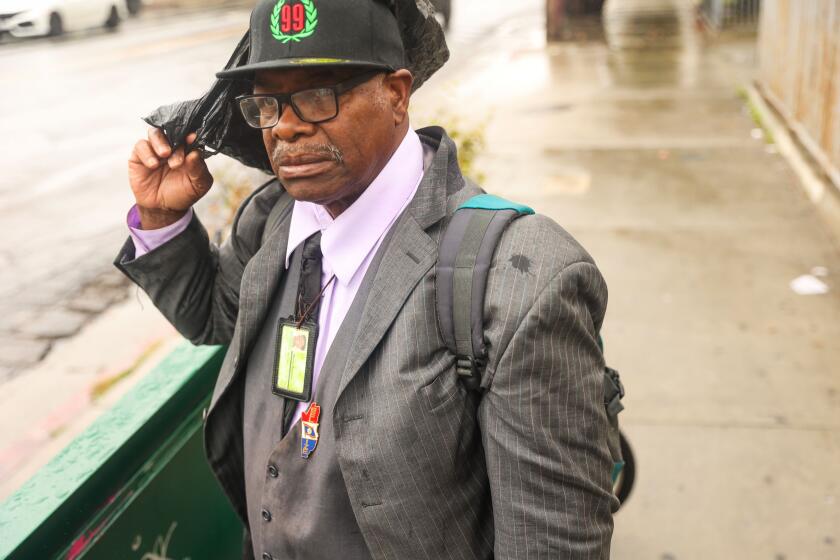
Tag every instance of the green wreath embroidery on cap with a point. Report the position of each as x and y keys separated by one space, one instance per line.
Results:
x=302 y=24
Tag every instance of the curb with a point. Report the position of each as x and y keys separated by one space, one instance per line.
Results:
x=821 y=191
x=42 y=441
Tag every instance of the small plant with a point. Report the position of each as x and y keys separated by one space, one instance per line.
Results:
x=469 y=137
x=471 y=143
x=756 y=115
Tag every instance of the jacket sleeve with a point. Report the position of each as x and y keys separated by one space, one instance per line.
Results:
x=544 y=427
x=193 y=282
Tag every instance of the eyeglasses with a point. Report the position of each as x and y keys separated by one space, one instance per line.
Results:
x=310 y=105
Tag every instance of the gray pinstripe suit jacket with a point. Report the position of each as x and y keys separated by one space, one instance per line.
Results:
x=432 y=471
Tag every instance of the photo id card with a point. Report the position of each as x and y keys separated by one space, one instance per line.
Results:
x=294 y=361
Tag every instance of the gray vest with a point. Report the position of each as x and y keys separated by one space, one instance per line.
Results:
x=298 y=508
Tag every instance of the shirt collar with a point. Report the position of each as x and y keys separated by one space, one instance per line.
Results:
x=347 y=240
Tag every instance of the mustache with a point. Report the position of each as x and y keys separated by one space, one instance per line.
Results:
x=282 y=150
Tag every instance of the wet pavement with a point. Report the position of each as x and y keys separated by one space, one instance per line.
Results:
x=71 y=113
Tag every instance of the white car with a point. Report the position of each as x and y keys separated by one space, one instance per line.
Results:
x=32 y=18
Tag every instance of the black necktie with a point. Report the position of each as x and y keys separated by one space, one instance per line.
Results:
x=309 y=289
x=309 y=301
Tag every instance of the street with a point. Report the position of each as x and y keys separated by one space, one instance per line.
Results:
x=639 y=142
x=71 y=114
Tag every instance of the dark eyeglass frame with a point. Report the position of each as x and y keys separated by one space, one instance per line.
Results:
x=287 y=99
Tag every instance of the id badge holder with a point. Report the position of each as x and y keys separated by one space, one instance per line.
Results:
x=294 y=359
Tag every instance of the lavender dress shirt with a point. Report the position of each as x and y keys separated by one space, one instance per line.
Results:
x=348 y=242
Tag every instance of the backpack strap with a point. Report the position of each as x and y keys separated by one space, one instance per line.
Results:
x=613 y=388
x=464 y=258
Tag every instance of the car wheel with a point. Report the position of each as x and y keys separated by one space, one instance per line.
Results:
x=56 y=25
x=113 y=20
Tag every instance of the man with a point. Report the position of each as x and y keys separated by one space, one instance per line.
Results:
x=380 y=452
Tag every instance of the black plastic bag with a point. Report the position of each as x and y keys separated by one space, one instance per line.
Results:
x=215 y=119
x=221 y=129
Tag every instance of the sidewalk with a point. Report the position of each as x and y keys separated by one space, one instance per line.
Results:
x=43 y=411
x=651 y=160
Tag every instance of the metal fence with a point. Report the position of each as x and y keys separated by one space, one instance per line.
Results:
x=799 y=50
x=726 y=14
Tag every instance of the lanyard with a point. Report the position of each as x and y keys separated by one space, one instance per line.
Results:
x=308 y=311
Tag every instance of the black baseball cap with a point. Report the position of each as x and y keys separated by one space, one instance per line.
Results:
x=316 y=33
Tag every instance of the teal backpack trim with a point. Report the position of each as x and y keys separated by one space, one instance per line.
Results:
x=617 y=468
x=492 y=202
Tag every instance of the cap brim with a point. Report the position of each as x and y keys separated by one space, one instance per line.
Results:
x=247 y=71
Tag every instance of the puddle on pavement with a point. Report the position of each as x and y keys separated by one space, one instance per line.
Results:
x=644 y=24
x=526 y=71
x=651 y=43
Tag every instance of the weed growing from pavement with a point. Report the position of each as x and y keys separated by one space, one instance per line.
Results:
x=756 y=115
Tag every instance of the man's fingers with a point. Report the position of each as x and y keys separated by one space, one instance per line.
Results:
x=144 y=154
x=197 y=170
x=191 y=137
x=176 y=159
x=159 y=143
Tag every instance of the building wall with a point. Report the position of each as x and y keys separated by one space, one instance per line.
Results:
x=799 y=50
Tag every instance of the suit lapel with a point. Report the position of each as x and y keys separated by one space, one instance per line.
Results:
x=408 y=256
x=259 y=282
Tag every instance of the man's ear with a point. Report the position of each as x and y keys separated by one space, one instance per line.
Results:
x=398 y=85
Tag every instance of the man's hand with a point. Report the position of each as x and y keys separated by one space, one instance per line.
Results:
x=166 y=184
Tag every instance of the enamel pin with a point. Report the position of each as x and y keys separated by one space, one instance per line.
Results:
x=309 y=430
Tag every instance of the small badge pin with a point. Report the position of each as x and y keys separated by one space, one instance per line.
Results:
x=309 y=430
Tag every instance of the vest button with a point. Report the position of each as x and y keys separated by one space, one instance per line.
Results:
x=267 y=556
x=273 y=472
x=266 y=515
